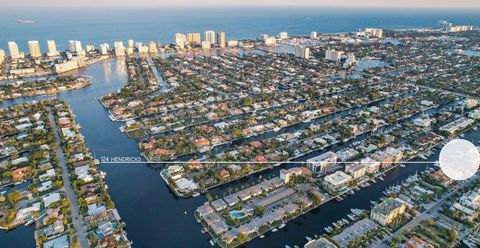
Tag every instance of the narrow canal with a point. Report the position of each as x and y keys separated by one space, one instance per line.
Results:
x=154 y=216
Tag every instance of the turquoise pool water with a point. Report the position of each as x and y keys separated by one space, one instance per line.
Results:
x=237 y=214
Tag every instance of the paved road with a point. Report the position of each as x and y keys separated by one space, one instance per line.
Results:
x=427 y=214
x=77 y=219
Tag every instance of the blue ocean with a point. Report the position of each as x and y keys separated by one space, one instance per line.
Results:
x=154 y=216
x=95 y=26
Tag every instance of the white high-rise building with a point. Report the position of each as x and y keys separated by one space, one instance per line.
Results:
x=119 y=48
x=313 y=35
x=2 y=56
x=13 y=48
x=89 y=48
x=283 y=35
x=52 y=48
x=130 y=43
x=210 y=37
x=221 y=39
x=34 y=48
x=75 y=46
x=180 y=39
x=194 y=38
x=104 y=49
x=333 y=55
x=302 y=52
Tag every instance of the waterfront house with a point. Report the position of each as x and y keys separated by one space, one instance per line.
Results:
x=27 y=212
x=95 y=209
x=185 y=185
x=104 y=228
x=229 y=236
x=337 y=181
x=372 y=166
x=244 y=195
x=219 y=227
x=291 y=208
x=232 y=199
x=83 y=174
x=256 y=190
x=224 y=173
x=211 y=218
x=21 y=173
x=218 y=205
x=355 y=170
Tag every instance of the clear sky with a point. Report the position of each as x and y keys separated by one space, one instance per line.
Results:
x=195 y=3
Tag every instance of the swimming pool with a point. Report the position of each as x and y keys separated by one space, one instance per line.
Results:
x=237 y=214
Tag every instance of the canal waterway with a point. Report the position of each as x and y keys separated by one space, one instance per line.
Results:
x=154 y=216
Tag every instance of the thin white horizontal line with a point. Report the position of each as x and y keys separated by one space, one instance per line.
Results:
x=250 y=162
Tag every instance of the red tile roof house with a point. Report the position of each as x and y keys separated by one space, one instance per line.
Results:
x=260 y=159
x=201 y=142
x=224 y=173
x=256 y=144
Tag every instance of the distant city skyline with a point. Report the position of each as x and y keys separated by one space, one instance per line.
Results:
x=209 y=3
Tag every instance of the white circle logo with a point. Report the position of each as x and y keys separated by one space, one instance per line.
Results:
x=459 y=159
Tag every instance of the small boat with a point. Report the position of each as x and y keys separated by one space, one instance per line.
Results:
x=262 y=236
x=308 y=238
x=281 y=226
x=402 y=165
x=25 y=22
x=381 y=178
x=185 y=212
x=211 y=242
x=196 y=194
x=28 y=223
x=274 y=230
